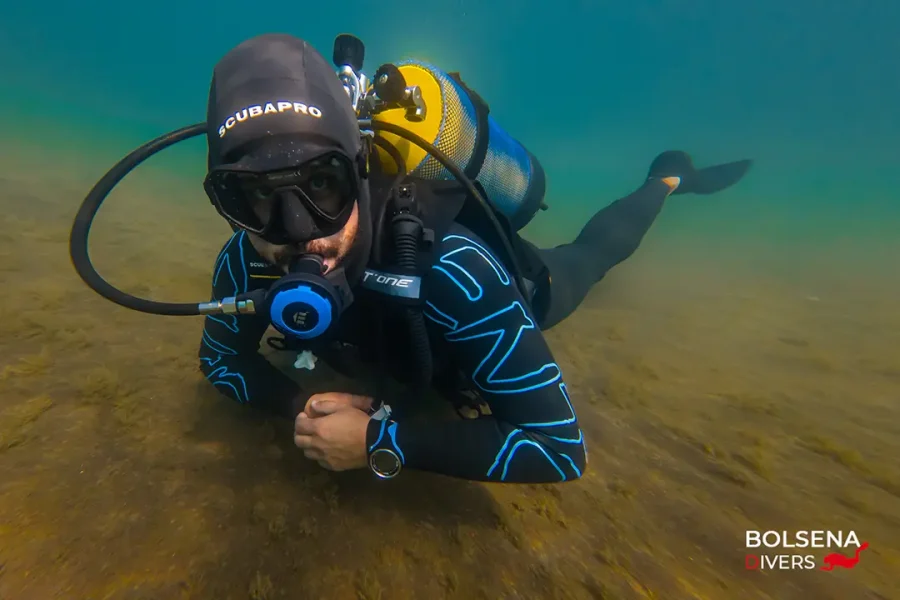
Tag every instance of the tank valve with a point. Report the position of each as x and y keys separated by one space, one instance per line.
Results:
x=390 y=87
x=349 y=54
x=349 y=50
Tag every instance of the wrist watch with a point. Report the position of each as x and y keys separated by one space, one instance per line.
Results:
x=385 y=463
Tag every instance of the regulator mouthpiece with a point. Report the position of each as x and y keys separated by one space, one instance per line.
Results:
x=305 y=304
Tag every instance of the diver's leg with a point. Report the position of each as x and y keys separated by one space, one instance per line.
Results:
x=608 y=238
x=616 y=231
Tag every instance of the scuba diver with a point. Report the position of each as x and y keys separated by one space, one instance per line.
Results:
x=306 y=191
x=377 y=251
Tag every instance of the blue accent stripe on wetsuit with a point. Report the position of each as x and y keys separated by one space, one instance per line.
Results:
x=555 y=442
x=233 y=278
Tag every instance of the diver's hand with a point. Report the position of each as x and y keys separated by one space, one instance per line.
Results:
x=336 y=437
x=363 y=403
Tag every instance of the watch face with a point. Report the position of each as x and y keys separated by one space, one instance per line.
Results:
x=384 y=463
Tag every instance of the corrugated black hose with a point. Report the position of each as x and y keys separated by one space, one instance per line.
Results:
x=407 y=230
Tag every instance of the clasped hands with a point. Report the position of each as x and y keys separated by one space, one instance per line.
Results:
x=331 y=430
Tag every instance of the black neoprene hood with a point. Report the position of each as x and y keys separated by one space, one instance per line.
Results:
x=275 y=103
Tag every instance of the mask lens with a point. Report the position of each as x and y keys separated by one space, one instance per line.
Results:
x=226 y=190
x=330 y=185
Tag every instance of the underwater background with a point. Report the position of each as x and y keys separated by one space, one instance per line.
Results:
x=741 y=371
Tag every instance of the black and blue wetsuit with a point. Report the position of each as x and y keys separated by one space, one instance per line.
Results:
x=229 y=347
x=532 y=434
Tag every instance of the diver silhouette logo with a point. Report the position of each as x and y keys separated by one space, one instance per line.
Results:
x=836 y=559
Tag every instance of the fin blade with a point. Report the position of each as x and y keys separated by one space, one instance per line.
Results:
x=713 y=179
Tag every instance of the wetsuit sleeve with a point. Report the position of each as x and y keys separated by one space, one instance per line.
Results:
x=229 y=348
x=532 y=434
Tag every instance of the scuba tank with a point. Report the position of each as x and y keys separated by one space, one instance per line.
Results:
x=457 y=123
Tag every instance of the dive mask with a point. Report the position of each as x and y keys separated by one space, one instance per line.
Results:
x=285 y=206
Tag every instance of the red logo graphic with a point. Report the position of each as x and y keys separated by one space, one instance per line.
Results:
x=836 y=559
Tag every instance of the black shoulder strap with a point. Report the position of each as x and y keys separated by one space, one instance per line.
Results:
x=438 y=203
x=532 y=267
x=482 y=131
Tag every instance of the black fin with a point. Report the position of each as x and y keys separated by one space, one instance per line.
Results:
x=716 y=178
x=675 y=163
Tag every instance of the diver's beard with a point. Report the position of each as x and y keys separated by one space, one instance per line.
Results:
x=278 y=255
x=322 y=248
x=350 y=250
x=282 y=255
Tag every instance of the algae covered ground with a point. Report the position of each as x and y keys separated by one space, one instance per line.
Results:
x=719 y=392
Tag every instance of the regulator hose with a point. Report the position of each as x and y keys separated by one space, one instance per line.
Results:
x=84 y=218
x=81 y=228
x=407 y=230
x=447 y=162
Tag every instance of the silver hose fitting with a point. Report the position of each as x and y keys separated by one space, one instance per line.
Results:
x=228 y=306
